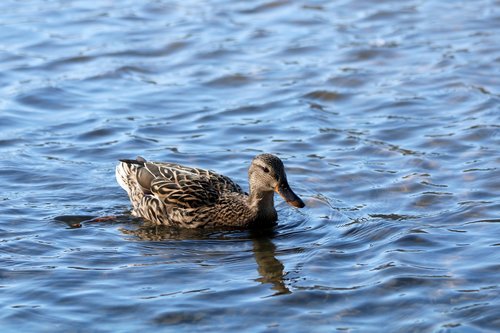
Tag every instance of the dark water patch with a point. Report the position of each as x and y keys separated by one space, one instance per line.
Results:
x=414 y=241
x=297 y=50
x=73 y=61
x=370 y=54
x=153 y=52
x=50 y=99
x=96 y=134
x=230 y=81
x=265 y=7
x=395 y=217
x=325 y=95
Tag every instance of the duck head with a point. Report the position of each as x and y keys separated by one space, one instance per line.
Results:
x=267 y=175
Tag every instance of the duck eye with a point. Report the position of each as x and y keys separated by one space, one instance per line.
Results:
x=266 y=170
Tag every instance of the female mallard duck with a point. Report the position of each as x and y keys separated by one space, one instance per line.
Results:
x=172 y=194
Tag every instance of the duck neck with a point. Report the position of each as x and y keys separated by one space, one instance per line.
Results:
x=263 y=204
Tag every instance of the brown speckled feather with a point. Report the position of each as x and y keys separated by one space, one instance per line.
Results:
x=188 y=187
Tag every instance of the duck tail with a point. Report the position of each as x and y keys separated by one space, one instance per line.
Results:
x=122 y=173
x=138 y=161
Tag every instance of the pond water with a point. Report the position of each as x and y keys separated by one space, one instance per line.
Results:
x=387 y=117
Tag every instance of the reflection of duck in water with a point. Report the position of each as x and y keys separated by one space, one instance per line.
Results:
x=270 y=269
x=172 y=194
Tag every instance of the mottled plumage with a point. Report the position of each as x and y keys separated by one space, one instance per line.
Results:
x=172 y=194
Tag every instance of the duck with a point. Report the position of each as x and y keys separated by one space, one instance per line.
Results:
x=171 y=194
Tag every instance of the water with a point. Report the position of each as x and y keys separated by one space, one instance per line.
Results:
x=386 y=114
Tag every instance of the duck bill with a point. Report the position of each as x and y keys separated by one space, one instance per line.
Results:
x=288 y=195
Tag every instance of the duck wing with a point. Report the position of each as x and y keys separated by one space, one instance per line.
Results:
x=182 y=186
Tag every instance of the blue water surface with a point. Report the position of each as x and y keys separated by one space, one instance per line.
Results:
x=385 y=113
